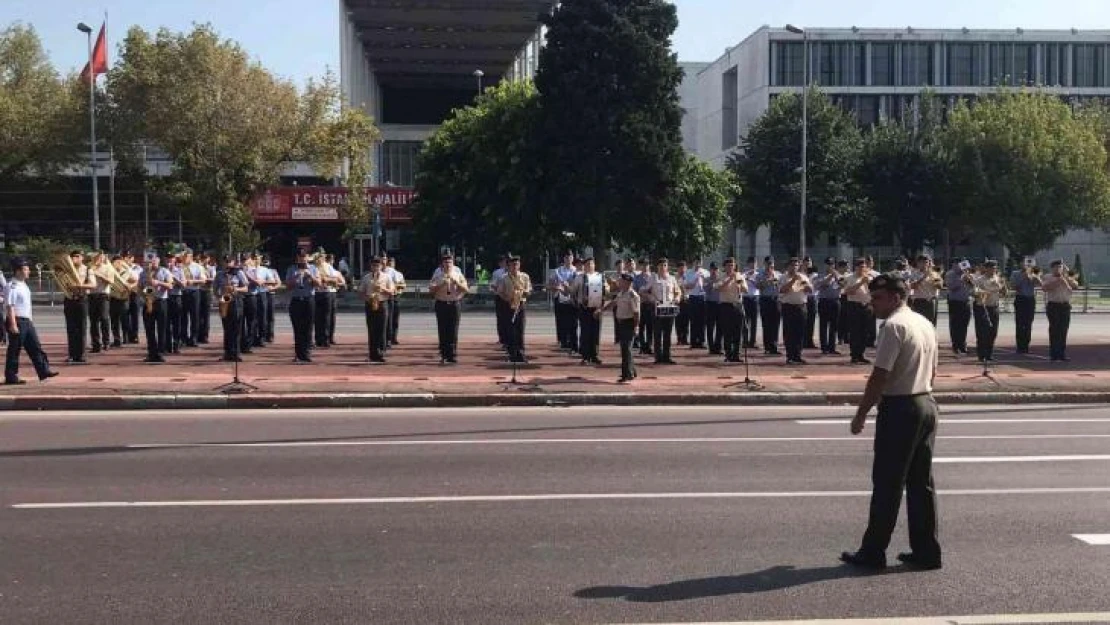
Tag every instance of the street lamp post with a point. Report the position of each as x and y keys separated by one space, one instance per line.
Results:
x=92 y=137
x=479 y=74
x=805 y=135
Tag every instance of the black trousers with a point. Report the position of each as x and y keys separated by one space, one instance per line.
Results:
x=321 y=314
x=516 y=323
x=99 y=322
x=1025 y=308
x=134 y=312
x=76 y=313
x=811 y=321
x=376 y=331
x=1059 y=320
x=26 y=340
x=249 y=321
x=682 y=322
x=647 y=327
x=333 y=304
x=828 y=311
x=842 y=324
x=117 y=310
x=793 y=330
x=986 y=330
x=626 y=331
x=270 y=317
x=959 y=316
x=713 y=337
x=262 y=319
x=190 y=316
x=500 y=308
x=731 y=324
x=858 y=318
x=156 y=332
x=447 y=323
x=233 y=328
x=696 y=309
x=205 y=315
x=616 y=335
x=566 y=325
x=661 y=338
x=926 y=308
x=300 y=315
x=769 y=314
x=174 y=324
x=591 y=333
x=905 y=432
x=751 y=318
x=394 y=320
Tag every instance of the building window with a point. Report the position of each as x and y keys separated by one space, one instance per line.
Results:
x=1054 y=67
x=791 y=70
x=859 y=64
x=867 y=110
x=730 y=96
x=1025 y=64
x=917 y=64
x=837 y=64
x=963 y=61
x=1087 y=67
x=1002 y=68
x=398 y=164
x=882 y=64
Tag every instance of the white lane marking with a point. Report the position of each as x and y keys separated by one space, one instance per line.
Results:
x=959 y=421
x=1094 y=539
x=595 y=441
x=209 y=503
x=996 y=459
x=983 y=619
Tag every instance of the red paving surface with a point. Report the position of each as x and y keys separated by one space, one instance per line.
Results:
x=413 y=367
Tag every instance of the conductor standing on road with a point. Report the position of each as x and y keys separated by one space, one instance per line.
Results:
x=905 y=430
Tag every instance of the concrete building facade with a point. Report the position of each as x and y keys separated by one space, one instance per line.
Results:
x=879 y=74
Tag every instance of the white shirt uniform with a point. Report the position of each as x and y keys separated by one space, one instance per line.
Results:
x=798 y=295
x=18 y=296
x=925 y=289
x=861 y=295
x=988 y=290
x=694 y=282
x=663 y=290
x=907 y=349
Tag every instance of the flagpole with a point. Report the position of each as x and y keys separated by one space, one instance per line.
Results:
x=92 y=146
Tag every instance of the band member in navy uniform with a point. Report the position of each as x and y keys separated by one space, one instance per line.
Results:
x=901 y=383
x=155 y=310
x=302 y=281
x=232 y=283
x=21 y=329
x=566 y=320
x=751 y=304
x=828 y=289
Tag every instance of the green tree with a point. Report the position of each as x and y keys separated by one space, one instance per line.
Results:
x=610 y=122
x=696 y=213
x=476 y=176
x=768 y=167
x=41 y=114
x=1028 y=169
x=228 y=125
x=904 y=173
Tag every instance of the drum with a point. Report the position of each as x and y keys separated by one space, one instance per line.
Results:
x=669 y=310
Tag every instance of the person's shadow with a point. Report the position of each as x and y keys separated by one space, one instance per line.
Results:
x=773 y=578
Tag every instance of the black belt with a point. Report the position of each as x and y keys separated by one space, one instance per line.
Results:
x=302 y=298
x=910 y=396
x=923 y=299
x=22 y=318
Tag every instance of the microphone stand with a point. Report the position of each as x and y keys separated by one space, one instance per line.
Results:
x=235 y=386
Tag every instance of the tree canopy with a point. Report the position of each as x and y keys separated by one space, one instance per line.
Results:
x=42 y=115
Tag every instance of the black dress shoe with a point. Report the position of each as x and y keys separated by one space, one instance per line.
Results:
x=49 y=374
x=863 y=560
x=922 y=564
x=15 y=381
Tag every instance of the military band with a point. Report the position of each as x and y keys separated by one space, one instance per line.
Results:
x=721 y=306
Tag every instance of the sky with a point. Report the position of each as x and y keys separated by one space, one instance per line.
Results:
x=297 y=39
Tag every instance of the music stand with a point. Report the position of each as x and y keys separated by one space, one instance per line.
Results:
x=236 y=386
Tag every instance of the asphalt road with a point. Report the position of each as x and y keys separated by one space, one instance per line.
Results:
x=515 y=516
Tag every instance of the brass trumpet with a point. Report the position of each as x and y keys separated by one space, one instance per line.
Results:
x=148 y=297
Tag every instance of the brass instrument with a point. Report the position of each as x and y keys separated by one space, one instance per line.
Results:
x=118 y=286
x=65 y=273
x=225 y=301
x=516 y=298
x=375 y=293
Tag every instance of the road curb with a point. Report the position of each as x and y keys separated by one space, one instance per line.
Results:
x=261 y=401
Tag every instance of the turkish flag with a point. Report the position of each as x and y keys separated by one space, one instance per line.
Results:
x=99 y=57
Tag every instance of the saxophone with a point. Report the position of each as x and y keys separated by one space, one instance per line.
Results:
x=516 y=298
x=375 y=293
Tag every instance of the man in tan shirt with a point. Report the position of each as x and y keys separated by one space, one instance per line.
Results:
x=626 y=310
x=448 y=287
x=793 y=296
x=905 y=430
x=1058 y=287
x=731 y=287
x=514 y=290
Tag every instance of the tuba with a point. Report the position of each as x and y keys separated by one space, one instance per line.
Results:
x=118 y=287
x=516 y=282
x=65 y=273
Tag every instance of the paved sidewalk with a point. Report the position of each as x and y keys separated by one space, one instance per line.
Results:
x=483 y=376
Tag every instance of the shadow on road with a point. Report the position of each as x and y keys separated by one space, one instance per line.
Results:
x=773 y=578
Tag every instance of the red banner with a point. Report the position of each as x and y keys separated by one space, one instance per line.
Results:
x=301 y=204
